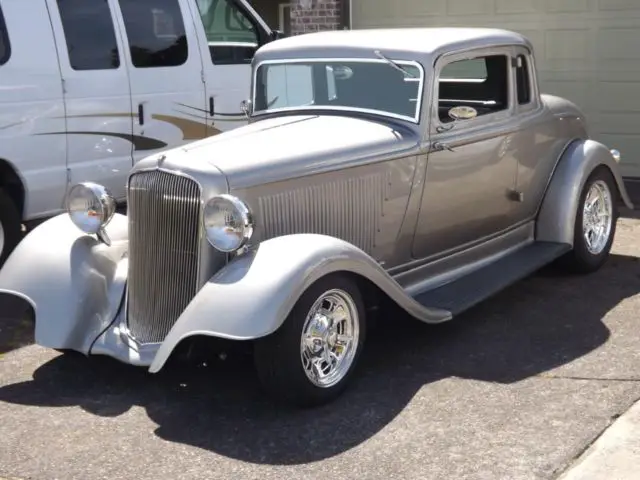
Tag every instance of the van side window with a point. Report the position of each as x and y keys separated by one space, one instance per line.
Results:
x=90 y=34
x=480 y=83
x=156 y=33
x=231 y=34
x=5 y=47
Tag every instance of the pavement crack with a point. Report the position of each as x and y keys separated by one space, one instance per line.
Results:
x=595 y=379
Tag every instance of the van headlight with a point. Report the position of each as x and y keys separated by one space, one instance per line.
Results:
x=227 y=222
x=90 y=206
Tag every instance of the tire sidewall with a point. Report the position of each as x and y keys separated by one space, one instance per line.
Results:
x=589 y=260
x=11 y=225
x=286 y=342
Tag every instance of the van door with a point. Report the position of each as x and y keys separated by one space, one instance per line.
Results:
x=231 y=31
x=165 y=72
x=96 y=93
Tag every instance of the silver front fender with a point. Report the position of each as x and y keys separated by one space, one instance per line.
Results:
x=252 y=296
x=73 y=282
x=557 y=216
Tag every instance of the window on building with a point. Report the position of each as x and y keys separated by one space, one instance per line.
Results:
x=156 y=32
x=90 y=34
x=481 y=83
x=523 y=81
x=231 y=34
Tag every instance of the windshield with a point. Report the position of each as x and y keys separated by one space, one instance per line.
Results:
x=369 y=85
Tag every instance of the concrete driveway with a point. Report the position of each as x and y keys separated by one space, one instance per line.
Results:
x=515 y=389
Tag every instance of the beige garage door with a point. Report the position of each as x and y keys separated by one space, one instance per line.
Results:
x=587 y=51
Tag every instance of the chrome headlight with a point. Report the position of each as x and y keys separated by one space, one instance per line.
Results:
x=227 y=222
x=90 y=206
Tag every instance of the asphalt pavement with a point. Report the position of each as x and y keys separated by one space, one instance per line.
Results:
x=517 y=388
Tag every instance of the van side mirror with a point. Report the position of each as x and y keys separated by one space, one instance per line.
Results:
x=277 y=34
x=246 y=107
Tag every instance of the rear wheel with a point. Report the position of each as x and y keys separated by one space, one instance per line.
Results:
x=310 y=359
x=10 y=226
x=595 y=225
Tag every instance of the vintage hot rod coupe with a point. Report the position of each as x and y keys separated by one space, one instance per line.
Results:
x=419 y=166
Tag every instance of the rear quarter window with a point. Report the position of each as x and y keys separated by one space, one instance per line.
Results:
x=5 y=47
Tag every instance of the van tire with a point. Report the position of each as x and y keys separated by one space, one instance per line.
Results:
x=11 y=226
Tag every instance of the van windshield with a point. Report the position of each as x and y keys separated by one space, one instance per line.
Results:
x=358 y=85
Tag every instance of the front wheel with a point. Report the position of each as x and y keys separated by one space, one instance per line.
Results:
x=10 y=226
x=310 y=359
x=595 y=225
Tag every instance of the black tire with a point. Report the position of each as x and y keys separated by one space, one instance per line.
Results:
x=278 y=356
x=580 y=259
x=11 y=226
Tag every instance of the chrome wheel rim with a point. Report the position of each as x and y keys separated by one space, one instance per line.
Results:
x=330 y=338
x=1 y=238
x=597 y=217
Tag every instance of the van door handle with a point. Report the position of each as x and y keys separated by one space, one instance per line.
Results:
x=140 y=114
x=211 y=106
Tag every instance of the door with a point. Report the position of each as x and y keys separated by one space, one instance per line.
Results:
x=468 y=192
x=165 y=73
x=231 y=33
x=96 y=93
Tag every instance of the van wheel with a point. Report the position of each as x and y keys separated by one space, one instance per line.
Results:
x=10 y=226
x=311 y=358
x=595 y=225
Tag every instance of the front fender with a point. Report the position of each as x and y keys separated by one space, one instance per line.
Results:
x=252 y=296
x=73 y=282
x=557 y=215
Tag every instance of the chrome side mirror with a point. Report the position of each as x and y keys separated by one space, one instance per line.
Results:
x=246 y=107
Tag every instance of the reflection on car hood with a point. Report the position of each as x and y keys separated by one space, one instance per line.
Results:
x=290 y=146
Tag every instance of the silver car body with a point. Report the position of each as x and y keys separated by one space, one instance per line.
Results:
x=404 y=203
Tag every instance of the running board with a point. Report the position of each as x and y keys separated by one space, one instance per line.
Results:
x=469 y=290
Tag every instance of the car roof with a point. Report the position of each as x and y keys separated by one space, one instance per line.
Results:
x=402 y=42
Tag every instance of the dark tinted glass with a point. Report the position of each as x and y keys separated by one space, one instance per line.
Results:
x=522 y=79
x=90 y=34
x=156 y=32
x=5 y=48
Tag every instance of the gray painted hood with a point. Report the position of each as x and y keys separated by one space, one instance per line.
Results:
x=286 y=147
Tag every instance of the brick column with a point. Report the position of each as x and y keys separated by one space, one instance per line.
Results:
x=322 y=15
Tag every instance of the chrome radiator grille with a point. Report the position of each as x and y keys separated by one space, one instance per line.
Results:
x=164 y=224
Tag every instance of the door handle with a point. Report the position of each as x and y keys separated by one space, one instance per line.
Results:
x=211 y=106
x=439 y=146
x=140 y=114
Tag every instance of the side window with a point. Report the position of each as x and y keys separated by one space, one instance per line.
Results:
x=480 y=83
x=523 y=82
x=289 y=85
x=156 y=32
x=5 y=47
x=90 y=34
x=232 y=36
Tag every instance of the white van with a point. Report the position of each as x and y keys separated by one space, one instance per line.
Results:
x=88 y=87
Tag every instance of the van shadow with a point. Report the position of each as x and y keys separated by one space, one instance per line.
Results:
x=539 y=324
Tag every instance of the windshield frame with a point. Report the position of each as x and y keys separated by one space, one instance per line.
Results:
x=320 y=108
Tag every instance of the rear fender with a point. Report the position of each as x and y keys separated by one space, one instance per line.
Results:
x=252 y=296
x=73 y=282
x=557 y=215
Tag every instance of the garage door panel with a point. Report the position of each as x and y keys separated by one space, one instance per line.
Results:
x=625 y=144
x=568 y=44
x=619 y=43
x=569 y=6
x=624 y=124
x=618 y=5
x=619 y=97
x=517 y=6
x=464 y=7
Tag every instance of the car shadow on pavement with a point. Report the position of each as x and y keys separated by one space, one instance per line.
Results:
x=543 y=322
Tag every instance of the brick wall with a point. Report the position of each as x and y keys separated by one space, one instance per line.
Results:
x=323 y=15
